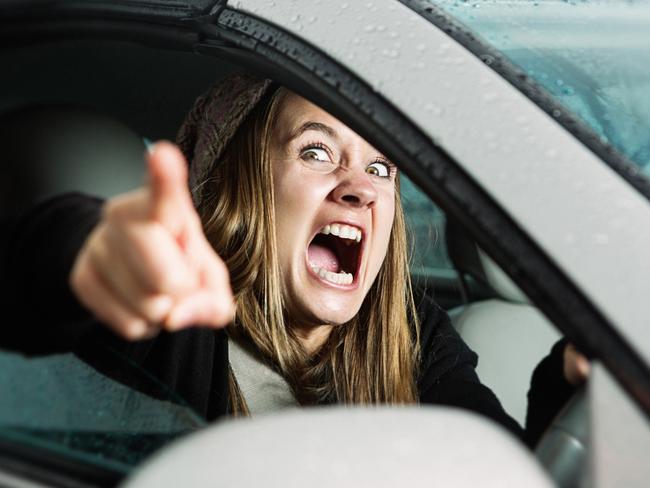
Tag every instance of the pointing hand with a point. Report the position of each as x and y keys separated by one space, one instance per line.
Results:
x=147 y=264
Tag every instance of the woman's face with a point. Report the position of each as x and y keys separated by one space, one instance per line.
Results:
x=334 y=206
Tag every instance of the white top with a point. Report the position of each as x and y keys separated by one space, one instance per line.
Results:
x=263 y=388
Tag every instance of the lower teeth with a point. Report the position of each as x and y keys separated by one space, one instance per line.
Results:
x=341 y=278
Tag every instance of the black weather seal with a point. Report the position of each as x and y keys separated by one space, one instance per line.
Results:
x=273 y=52
x=29 y=462
x=177 y=25
x=205 y=25
x=493 y=58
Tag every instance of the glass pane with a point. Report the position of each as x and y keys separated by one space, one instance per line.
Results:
x=592 y=57
x=58 y=402
x=426 y=229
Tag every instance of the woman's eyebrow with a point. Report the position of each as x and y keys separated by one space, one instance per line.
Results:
x=317 y=126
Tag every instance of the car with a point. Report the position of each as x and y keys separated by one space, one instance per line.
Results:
x=521 y=131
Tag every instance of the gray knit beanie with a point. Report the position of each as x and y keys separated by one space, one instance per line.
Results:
x=214 y=119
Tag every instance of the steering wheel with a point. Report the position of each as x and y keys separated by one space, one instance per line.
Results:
x=562 y=450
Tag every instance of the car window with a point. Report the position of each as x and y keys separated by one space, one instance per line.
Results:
x=60 y=404
x=589 y=56
x=426 y=230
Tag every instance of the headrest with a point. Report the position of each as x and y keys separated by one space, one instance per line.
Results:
x=347 y=447
x=468 y=258
x=53 y=148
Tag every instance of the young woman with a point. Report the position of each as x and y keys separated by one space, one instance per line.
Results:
x=290 y=238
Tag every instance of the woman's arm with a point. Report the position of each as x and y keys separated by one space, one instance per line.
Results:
x=447 y=374
x=41 y=313
x=448 y=377
x=140 y=263
x=549 y=392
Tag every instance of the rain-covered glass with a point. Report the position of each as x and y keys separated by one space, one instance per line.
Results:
x=59 y=404
x=592 y=56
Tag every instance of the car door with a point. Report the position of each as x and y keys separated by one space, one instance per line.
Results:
x=434 y=123
x=489 y=154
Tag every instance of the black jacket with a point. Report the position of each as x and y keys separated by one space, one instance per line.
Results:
x=38 y=250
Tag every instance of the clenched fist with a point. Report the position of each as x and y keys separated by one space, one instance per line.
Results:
x=147 y=265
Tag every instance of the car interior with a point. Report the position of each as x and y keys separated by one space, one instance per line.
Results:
x=77 y=116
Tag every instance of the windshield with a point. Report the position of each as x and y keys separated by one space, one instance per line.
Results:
x=593 y=57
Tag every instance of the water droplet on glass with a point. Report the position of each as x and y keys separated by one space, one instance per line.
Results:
x=488 y=59
x=567 y=90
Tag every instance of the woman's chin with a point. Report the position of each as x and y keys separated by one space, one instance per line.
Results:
x=312 y=302
x=325 y=310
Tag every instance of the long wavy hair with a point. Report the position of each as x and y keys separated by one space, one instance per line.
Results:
x=371 y=359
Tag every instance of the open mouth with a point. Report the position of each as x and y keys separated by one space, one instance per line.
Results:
x=334 y=253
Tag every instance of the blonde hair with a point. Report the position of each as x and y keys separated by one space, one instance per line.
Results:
x=371 y=359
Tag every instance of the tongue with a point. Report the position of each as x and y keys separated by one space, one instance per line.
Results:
x=323 y=257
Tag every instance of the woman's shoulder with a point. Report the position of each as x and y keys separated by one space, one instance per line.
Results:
x=441 y=347
x=434 y=322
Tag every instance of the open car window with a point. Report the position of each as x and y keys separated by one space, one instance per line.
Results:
x=426 y=223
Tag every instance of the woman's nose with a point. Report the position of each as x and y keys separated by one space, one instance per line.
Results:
x=356 y=190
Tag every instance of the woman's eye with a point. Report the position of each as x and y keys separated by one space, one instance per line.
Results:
x=379 y=168
x=315 y=154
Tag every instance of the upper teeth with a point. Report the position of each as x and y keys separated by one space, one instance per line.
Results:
x=343 y=231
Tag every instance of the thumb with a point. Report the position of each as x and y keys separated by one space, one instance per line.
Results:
x=576 y=366
x=170 y=196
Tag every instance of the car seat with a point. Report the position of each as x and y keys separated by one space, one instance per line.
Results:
x=507 y=332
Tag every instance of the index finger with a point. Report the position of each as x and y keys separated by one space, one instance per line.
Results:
x=171 y=200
